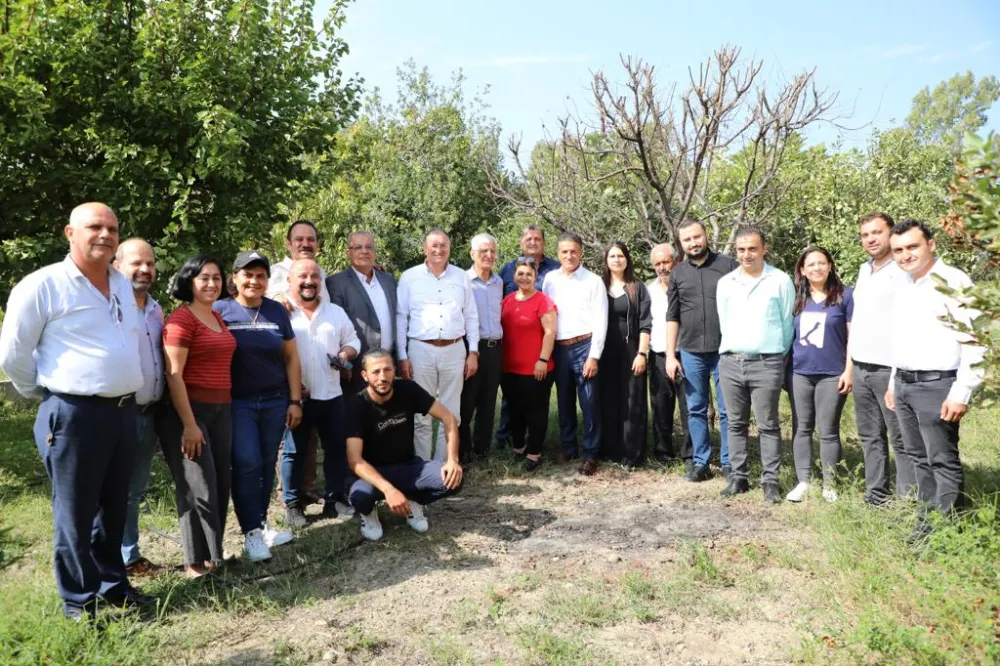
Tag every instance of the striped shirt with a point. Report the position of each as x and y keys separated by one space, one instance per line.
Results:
x=207 y=373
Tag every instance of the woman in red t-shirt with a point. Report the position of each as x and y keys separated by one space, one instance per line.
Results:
x=196 y=430
x=528 y=318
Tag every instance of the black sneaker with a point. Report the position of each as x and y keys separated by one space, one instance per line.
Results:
x=726 y=471
x=295 y=517
x=336 y=506
x=920 y=533
x=736 y=487
x=772 y=493
x=531 y=465
x=699 y=473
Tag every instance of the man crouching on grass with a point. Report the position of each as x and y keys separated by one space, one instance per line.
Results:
x=380 y=448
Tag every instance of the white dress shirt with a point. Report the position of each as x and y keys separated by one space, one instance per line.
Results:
x=871 y=338
x=582 y=303
x=329 y=330
x=150 y=351
x=435 y=307
x=658 y=310
x=60 y=333
x=921 y=341
x=381 y=305
x=277 y=283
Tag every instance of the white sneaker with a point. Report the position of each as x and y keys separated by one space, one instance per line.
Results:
x=830 y=495
x=417 y=520
x=254 y=546
x=343 y=510
x=371 y=528
x=798 y=493
x=274 y=537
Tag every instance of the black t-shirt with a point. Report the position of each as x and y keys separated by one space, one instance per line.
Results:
x=691 y=302
x=387 y=429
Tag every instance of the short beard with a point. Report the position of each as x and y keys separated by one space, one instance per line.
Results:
x=309 y=299
x=381 y=394
x=141 y=287
x=700 y=255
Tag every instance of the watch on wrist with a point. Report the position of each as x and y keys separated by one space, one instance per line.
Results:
x=644 y=354
x=299 y=403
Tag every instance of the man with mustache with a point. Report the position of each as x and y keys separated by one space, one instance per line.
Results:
x=381 y=450
x=325 y=338
x=870 y=346
x=933 y=366
x=69 y=339
x=301 y=242
x=134 y=259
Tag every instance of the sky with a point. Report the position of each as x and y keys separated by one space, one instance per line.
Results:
x=538 y=57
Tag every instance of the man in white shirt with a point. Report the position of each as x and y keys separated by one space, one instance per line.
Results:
x=69 y=339
x=325 y=339
x=479 y=395
x=368 y=296
x=436 y=311
x=582 y=303
x=663 y=393
x=301 y=242
x=134 y=259
x=870 y=346
x=932 y=366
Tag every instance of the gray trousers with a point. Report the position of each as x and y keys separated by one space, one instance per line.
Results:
x=931 y=443
x=753 y=380
x=203 y=484
x=878 y=427
x=818 y=406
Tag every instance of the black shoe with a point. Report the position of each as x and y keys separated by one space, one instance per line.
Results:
x=531 y=465
x=699 y=473
x=688 y=465
x=726 y=471
x=295 y=517
x=772 y=493
x=920 y=533
x=877 y=503
x=736 y=487
x=131 y=599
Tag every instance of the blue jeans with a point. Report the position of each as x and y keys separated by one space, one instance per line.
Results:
x=258 y=425
x=327 y=417
x=570 y=384
x=144 y=451
x=87 y=447
x=698 y=368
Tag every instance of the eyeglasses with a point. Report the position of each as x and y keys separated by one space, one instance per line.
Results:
x=358 y=248
x=526 y=260
x=115 y=308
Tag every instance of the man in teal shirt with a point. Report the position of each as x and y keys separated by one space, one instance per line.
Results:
x=755 y=318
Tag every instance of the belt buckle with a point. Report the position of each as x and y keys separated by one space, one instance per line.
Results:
x=492 y=343
x=122 y=401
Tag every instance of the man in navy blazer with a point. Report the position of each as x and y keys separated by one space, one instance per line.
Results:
x=369 y=298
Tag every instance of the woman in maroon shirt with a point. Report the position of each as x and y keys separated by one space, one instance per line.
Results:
x=196 y=428
x=528 y=318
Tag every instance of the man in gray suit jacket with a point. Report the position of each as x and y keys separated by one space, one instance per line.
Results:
x=369 y=298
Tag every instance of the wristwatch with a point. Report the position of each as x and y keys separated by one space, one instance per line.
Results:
x=300 y=403
x=645 y=354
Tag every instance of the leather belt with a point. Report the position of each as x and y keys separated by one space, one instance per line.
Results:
x=871 y=367
x=572 y=341
x=914 y=376
x=117 y=401
x=438 y=343
x=739 y=356
x=142 y=409
x=490 y=343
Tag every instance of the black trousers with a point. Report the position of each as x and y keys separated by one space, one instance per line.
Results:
x=479 y=402
x=528 y=399
x=663 y=396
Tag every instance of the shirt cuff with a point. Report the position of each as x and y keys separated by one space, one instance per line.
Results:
x=960 y=394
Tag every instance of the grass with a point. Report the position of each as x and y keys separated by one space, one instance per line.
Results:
x=871 y=599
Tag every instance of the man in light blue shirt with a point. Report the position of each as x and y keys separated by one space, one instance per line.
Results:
x=755 y=318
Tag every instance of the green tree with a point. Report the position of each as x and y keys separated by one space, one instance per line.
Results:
x=955 y=107
x=405 y=168
x=191 y=118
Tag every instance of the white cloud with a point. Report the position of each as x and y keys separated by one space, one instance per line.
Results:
x=525 y=60
x=944 y=55
x=903 y=50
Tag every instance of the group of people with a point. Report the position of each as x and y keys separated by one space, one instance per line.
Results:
x=281 y=359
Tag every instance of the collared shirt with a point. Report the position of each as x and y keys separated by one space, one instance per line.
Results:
x=582 y=302
x=150 y=351
x=921 y=341
x=432 y=307
x=277 y=283
x=871 y=338
x=547 y=265
x=380 y=303
x=61 y=334
x=329 y=330
x=755 y=314
x=658 y=305
x=692 y=302
x=489 y=298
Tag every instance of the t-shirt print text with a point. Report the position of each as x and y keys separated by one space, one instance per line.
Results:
x=253 y=326
x=392 y=421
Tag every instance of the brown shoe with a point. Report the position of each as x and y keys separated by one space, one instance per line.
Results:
x=565 y=458
x=142 y=567
x=589 y=467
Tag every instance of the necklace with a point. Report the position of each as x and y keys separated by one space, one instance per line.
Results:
x=253 y=322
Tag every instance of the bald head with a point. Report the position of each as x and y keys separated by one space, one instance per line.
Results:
x=304 y=283
x=134 y=259
x=132 y=245
x=92 y=233
x=662 y=258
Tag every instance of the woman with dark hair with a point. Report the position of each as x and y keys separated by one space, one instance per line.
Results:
x=267 y=397
x=528 y=319
x=195 y=428
x=623 y=362
x=821 y=366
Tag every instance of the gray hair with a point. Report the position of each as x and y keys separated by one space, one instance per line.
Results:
x=360 y=232
x=435 y=231
x=479 y=239
x=662 y=246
